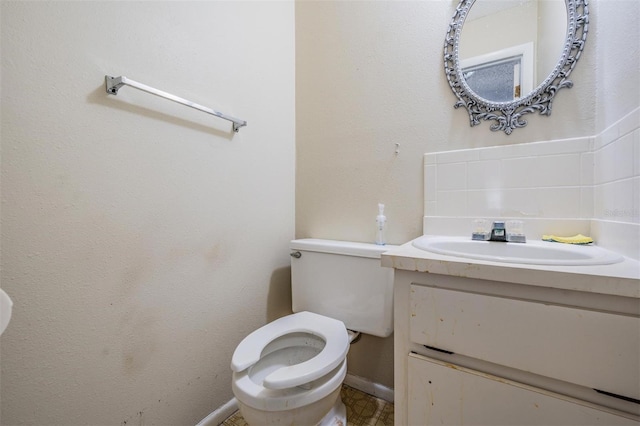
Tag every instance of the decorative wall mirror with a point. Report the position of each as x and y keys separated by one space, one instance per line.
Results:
x=504 y=59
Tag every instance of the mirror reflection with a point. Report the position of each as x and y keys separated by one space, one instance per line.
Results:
x=508 y=48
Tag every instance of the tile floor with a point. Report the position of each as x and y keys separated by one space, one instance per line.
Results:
x=362 y=410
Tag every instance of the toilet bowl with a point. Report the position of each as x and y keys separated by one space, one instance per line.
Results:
x=290 y=370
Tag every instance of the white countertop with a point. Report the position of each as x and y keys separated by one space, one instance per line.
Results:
x=619 y=279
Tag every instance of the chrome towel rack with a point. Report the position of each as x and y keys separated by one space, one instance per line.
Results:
x=113 y=84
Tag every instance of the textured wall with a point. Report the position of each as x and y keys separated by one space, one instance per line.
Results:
x=370 y=74
x=141 y=240
x=616 y=33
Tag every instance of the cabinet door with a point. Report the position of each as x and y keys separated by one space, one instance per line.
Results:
x=445 y=394
x=592 y=349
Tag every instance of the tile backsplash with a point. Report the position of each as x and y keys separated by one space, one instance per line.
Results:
x=579 y=180
x=545 y=179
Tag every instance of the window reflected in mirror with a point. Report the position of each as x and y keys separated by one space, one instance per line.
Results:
x=503 y=75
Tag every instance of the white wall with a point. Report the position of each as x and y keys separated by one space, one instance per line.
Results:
x=141 y=240
x=615 y=32
x=370 y=75
x=552 y=19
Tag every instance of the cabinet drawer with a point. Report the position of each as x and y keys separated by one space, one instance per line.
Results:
x=594 y=349
x=446 y=394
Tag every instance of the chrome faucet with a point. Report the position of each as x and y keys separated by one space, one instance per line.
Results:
x=512 y=233
x=498 y=231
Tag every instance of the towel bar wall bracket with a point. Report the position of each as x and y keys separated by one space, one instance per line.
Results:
x=113 y=84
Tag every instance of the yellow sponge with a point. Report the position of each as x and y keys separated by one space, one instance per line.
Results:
x=576 y=239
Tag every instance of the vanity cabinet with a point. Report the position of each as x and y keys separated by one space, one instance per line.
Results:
x=477 y=351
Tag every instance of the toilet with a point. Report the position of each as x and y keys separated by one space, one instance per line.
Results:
x=290 y=371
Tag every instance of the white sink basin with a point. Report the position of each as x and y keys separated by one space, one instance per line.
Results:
x=533 y=252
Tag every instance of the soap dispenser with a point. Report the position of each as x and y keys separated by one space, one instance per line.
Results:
x=381 y=221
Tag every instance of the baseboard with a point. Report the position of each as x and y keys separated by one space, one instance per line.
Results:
x=367 y=386
x=220 y=414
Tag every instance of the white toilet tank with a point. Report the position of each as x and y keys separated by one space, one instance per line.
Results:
x=343 y=280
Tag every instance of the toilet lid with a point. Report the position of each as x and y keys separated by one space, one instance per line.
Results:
x=332 y=331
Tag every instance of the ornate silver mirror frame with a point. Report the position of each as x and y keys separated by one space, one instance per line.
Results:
x=509 y=115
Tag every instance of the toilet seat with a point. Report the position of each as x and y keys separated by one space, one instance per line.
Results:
x=253 y=395
x=332 y=331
